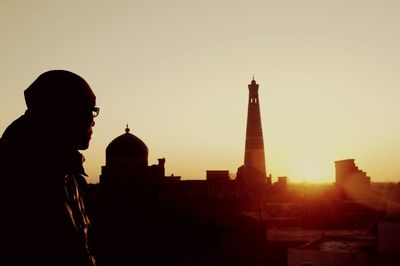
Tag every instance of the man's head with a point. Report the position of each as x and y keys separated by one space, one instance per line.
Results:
x=65 y=104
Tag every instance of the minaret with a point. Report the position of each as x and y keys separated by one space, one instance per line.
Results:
x=254 y=158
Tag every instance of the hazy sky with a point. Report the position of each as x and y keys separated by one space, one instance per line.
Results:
x=177 y=72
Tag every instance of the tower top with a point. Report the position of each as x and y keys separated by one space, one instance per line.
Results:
x=253 y=81
x=253 y=87
x=127 y=128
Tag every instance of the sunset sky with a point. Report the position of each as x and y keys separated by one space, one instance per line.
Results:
x=177 y=72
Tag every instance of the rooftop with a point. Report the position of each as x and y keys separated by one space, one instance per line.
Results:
x=349 y=243
x=298 y=234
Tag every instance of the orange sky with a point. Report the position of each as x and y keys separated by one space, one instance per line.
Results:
x=177 y=72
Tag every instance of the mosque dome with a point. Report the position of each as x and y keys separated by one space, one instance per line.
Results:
x=127 y=144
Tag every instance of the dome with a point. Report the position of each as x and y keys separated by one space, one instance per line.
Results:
x=127 y=145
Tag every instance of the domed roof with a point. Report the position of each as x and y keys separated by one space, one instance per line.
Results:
x=127 y=144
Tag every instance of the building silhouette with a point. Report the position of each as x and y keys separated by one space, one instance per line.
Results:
x=126 y=174
x=127 y=165
x=254 y=170
x=350 y=180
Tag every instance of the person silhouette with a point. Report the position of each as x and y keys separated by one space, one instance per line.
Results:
x=42 y=176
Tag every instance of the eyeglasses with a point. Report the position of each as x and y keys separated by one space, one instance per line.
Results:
x=95 y=111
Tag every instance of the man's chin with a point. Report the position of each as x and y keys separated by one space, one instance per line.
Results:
x=84 y=146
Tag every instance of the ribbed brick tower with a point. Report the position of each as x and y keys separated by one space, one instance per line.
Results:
x=254 y=158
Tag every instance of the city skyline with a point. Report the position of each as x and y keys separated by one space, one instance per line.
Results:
x=177 y=73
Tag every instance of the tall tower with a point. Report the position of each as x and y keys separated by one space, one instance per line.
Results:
x=254 y=158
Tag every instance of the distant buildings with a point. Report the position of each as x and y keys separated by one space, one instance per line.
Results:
x=127 y=168
x=143 y=217
x=361 y=208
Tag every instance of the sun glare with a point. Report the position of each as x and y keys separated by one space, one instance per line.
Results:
x=311 y=171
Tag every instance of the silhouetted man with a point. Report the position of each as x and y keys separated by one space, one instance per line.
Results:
x=42 y=177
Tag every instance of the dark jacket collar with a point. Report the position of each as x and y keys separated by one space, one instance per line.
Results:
x=31 y=143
